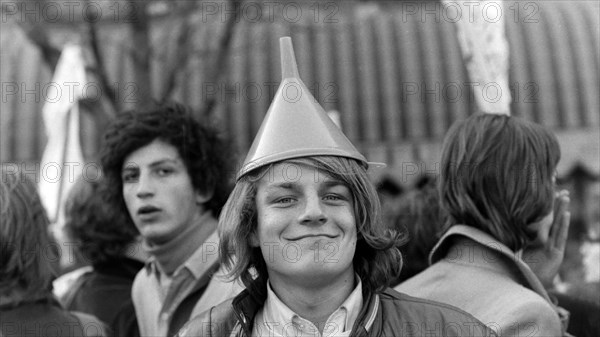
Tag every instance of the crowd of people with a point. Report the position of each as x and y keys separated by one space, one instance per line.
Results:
x=296 y=242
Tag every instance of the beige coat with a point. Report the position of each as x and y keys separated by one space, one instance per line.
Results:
x=475 y=272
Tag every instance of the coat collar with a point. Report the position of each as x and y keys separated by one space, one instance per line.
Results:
x=513 y=260
x=246 y=307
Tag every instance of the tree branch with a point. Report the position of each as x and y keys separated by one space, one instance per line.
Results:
x=182 y=57
x=38 y=36
x=218 y=70
x=142 y=52
x=100 y=70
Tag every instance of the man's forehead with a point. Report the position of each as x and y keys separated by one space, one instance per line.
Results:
x=153 y=153
x=149 y=162
x=288 y=174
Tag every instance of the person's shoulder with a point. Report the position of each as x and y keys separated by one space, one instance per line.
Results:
x=216 y=321
x=534 y=316
x=396 y=298
x=67 y=285
x=91 y=326
x=418 y=311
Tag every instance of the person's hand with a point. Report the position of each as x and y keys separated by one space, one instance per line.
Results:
x=545 y=255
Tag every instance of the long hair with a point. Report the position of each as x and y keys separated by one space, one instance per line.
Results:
x=25 y=246
x=377 y=259
x=497 y=175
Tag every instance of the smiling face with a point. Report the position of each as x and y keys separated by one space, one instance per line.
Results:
x=158 y=192
x=306 y=228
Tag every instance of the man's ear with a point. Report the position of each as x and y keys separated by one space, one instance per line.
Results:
x=254 y=242
x=204 y=196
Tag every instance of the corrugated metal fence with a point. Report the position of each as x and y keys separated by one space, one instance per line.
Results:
x=394 y=73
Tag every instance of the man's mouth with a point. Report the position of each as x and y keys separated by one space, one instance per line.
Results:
x=308 y=236
x=147 y=210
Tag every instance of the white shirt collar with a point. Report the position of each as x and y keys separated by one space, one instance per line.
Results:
x=277 y=319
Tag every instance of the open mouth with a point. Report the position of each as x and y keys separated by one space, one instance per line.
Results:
x=147 y=210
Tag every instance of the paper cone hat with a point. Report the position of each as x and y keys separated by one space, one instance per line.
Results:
x=295 y=124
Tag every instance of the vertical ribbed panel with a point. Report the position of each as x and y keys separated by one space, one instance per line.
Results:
x=397 y=80
x=585 y=76
x=519 y=71
x=433 y=79
x=387 y=70
x=410 y=77
x=541 y=91
x=590 y=15
x=258 y=74
x=304 y=49
x=345 y=63
x=455 y=93
x=368 y=83
x=327 y=89
x=562 y=64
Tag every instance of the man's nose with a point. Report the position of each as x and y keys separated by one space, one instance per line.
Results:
x=313 y=212
x=145 y=186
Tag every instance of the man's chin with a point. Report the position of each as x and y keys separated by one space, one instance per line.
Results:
x=154 y=239
x=319 y=273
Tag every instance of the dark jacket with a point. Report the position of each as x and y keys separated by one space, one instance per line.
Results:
x=47 y=318
x=105 y=293
x=388 y=313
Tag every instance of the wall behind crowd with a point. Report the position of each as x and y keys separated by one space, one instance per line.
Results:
x=393 y=71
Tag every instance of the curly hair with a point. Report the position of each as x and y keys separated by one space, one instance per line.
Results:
x=377 y=259
x=100 y=233
x=497 y=174
x=206 y=154
x=26 y=249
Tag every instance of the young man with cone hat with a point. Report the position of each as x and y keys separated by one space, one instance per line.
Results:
x=302 y=230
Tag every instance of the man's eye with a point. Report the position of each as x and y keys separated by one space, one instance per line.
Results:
x=286 y=200
x=163 y=172
x=333 y=197
x=129 y=177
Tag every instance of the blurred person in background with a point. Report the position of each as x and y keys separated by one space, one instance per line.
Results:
x=27 y=305
x=111 y=245
x=389 y=191
x=419 y=214
x=578 y=287
x=497 y=185
x=168 y=174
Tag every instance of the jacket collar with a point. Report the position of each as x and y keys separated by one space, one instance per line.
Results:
x=513 y=260
x=246 y=307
